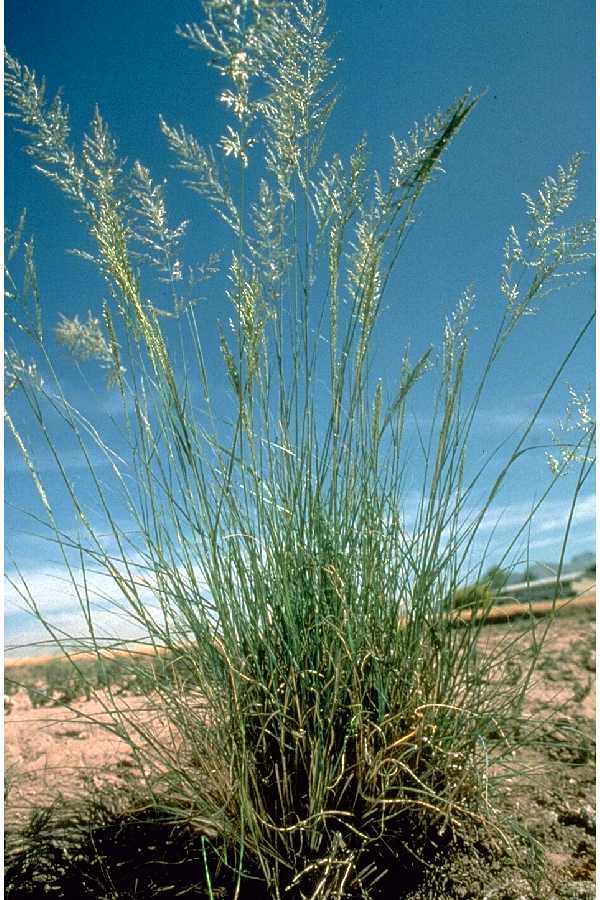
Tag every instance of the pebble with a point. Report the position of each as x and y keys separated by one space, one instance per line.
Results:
x=585 y=817
x=550 y=819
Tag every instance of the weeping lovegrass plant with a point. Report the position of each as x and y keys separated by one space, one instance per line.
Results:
x=332 y=726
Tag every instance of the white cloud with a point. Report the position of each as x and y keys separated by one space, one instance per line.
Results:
x=32 y=637
x=53 y=590
x=501 y=422
x=551 y=517
x=511 y=420
x=584 y=541
x=544 y=539
x=55 y=594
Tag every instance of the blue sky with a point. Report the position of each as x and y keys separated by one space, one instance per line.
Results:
x=398 y=62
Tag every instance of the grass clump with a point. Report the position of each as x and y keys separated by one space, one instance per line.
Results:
x=347 y=735
x=475 y=596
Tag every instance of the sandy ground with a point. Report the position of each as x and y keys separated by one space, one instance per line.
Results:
x=59 y=749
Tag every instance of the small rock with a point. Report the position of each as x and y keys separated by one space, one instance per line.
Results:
x=587 y=815
x=551 y=817
x=584 y=817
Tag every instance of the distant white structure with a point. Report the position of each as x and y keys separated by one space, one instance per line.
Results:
x=570 y=584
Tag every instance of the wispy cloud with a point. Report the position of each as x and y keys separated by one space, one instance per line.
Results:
x=541 y=541
x=582 y=541
x=66 y=601
x=552 y=517
x=501 y=421
x=27 y=635
x=53 y=590
x=507 y=421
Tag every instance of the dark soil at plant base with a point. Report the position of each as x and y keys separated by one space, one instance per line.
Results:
x=64 y=850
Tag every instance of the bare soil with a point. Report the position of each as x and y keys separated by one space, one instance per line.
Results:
x=55 y=751
x=555 y=801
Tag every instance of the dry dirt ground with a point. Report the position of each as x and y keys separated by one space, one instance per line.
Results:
x=56 y=751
